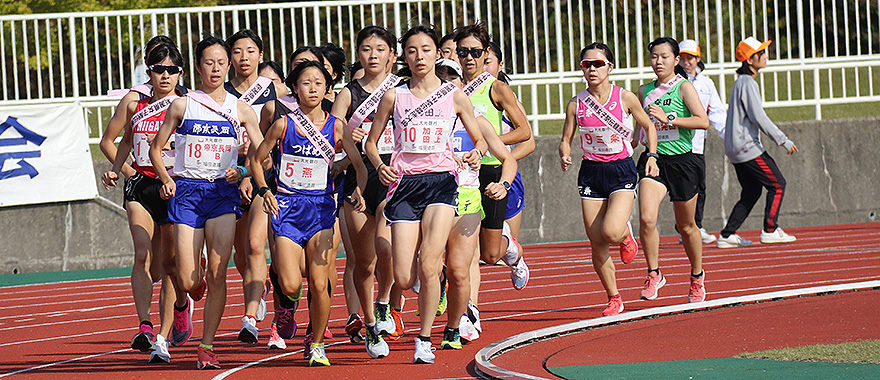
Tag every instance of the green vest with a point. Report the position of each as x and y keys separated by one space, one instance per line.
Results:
x=671 y=102
x=483 y=105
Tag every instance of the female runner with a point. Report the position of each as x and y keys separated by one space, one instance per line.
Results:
x=204 y=199
x=422 y=199
x=303 y=211
x=675 y=110
x=607 y=180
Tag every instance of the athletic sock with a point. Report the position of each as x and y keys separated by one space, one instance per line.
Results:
x=698 y=275
x=148 y=323
x=181 y=308
x=657 y=271
x=250 y=316
x=207 y=346
x=424 y=339
x=449 y=330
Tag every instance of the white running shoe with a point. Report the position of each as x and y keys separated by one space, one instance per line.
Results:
x=160 y=352
x=384 y=322
x=474 y=315
x=248 y=333
x=467 y=330
x=424 y=353
x=261 y=308
x=519 y=274
x=778 y=236
x=376 y=346
x=707 y=237
x=732 y=241
x=512 y=254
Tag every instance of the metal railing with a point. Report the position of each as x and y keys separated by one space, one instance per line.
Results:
x=824 y=51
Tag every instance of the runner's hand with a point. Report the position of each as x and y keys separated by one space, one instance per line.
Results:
x=246 y=189
x=270 y=204
x=651 y=168
x=565 y=161
x=232 y=175
x=387 y=175
x=168 y=189
x=357 y=200
x=496 y=191
x=358 y=134
x=109 y=179
x=793 y=149
x=473 y=159
x=657 y=113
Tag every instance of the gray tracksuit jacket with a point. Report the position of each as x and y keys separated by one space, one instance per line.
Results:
x=746 y=120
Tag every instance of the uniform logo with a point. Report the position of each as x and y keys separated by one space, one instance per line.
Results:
x=629 y=185
x=612 y=106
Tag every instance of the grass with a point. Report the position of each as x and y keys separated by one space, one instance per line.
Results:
x=853 y=352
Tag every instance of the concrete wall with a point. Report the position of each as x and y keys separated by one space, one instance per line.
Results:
x=834 y=179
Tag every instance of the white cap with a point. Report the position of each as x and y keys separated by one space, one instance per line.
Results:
x=690 y=47
x=450 y=63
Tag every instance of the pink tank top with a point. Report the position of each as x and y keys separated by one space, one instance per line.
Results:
x=425 y=145
x=596 y=136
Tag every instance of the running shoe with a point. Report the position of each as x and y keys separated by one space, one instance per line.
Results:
x=615 y=306
x=732 y=241
x=451 y=340
x=384 y=322
x=249 y=332
x=261 y=308
x=519 y=274
x=327 y=333
x=474 y=314
x=144 y=340
x=653 y=283
x=317 y=355
x=697 y=292
x=467 y=330
x=207 y=359
x=275 y=341
x=424 y=353
x=376 y=346
x=353 y=328
x=160 y=353
x=441 y=307
x=307 y=344
x=778 y=236
x=182 y=328
x=286 y=323
x=200 y=290
x=628 y=248
x=398 y=325
x=511 y=255
x=707 y=237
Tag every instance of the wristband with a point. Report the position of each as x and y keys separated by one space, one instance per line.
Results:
x=262 y=191
x=243 y=171
x=652 y=154
x=380 y=167
x=478 y=152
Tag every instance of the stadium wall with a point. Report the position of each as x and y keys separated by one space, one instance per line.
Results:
x=834 y=179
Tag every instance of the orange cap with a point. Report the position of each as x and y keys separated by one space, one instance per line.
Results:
x=689 y=47
x=749 y=46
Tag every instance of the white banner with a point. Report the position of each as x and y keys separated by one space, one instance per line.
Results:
x=44 y=155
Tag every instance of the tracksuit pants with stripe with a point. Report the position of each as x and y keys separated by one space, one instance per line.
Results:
x=754 y=176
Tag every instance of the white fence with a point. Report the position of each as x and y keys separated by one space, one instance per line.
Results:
x=824 y=51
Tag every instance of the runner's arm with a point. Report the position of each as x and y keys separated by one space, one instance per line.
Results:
x=509 y=166
x=270 y=205
x=568 y=131
x=387 y=174
x=505 y=99
x=699 y=119
x=465 y=111
x=114 y=127
x=352 y=153
x=634 y=107
x=173 y=118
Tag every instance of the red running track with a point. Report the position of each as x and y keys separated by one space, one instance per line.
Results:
x=80 y=329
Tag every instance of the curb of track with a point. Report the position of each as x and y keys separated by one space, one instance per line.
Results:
x=483 y=358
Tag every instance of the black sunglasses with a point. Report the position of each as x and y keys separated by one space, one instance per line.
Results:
x=159 y=69
x=474 y=52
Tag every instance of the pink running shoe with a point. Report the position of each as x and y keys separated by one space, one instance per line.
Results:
x=629 y=249
x=615 y=306
x=199 y=292
x=327 y=333
x=182 y=328
x=144 y=340
x=207 y=359
x=697 y=293
x=653 y=283
x=275 y=341
x=286 y=323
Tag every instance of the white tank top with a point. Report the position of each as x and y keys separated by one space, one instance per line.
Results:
x=206 y=143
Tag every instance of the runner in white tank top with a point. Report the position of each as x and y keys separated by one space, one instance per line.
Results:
x=424 y=190
x=207 y=188
x=603 y=115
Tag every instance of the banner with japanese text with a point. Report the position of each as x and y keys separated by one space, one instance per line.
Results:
x=44 y=155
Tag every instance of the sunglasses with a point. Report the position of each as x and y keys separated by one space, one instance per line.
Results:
x=474 y=52
x=160 y=69
x=597 y=63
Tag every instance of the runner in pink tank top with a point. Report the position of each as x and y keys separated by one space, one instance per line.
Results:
x=422 y=188
x=607 y=179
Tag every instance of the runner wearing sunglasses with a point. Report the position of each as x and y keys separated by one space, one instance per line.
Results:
x=675 y=110
x=491 y=98
x=252 y=229
x=603 y=115
x=204 y=199
x=148 y=212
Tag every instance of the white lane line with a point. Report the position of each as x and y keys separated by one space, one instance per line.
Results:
x=61 y=362
x=228 y=372
x=484 y=356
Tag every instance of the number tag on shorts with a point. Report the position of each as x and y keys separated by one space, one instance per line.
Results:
x=386 y=141
x=304 y=173
x=208 y=152
x=426 y=136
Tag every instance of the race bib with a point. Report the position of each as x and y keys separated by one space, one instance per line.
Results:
x=303 y=173
x=386 y=141
x=665 y=132
x=207 y=152
x=425 y=136
x=600 y=140
x=142 y=151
